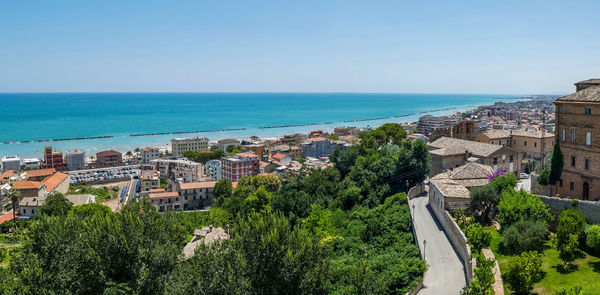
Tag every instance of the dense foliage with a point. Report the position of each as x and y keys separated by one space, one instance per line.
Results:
x=478 y=237
x=525 y=235
x=592 y=240
x=570 y=230
x=523 y=272
x=341 y=230
x=521 y=205
x=483 y=279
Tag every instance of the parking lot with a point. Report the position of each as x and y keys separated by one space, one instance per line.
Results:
x=103 y=175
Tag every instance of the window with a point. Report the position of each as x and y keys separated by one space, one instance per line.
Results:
x=587 y=164
x=573 y=136
x=535 y=144
x=560 y=182
x=573 y=161
x=572 y=186
x=511 y=158
x=562 y=135
x=588 y=111
x=525 y=143
x=495 y=160
x=588 y=138
x=562 y=109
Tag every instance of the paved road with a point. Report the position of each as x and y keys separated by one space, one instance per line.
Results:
x=524 y=184
x=445 y=273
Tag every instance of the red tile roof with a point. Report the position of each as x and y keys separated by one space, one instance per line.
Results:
x=278 y=156
x=108 y=152
x=157 y=190
x=317 y=139
x=7 y=217
x=195 y=185
x=8 y=174
x=40 y=172
x=53 y=181
x=26 y=184
x=164 y=195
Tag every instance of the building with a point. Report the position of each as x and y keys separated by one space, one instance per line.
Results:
x=40 y=174
x=257 y=149
x=243 y=164
x=345 y=131
x=12 y=162
x=31 y=163
x=319 y=147
x=54 y=159
x=285 y=159
x=196 y=195
x=166 y=200
x=34 y=193
x=213 y=169
x=295 y=138
x=533 y=144
x=173 y=168
x=224 y=143
x=149 y=154
x=428 y=123
x=181 y=145
x=577 y=125
x=75 y=160
x=462 y=130
x=500 y=137
x=149 y=180
x=449 y=153
x=109 y=158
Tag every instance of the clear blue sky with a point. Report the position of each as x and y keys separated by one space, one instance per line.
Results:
x=316 y=46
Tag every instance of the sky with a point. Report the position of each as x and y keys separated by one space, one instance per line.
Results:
x=499 y=47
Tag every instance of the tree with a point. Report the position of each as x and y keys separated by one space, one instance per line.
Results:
x=523 y=271
x=504 y=182
x=478 y=237
x=14 y=196
x=525 y=235
x=222 y=191
x=56 y=205
x=89 y=210
x=483 y=279
x=570 y=230
x=592 y=234
x=556 y=164
x=483 y=199
x=544 y=177
x=521 y=205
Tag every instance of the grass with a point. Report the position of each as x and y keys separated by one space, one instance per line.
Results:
x=585 y=271
x=102 y=194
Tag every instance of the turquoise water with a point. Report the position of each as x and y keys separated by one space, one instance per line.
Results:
x=37 y=116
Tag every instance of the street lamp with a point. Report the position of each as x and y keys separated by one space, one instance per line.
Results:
x=424 y=247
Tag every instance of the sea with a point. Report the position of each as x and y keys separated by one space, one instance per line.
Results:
x=30 y=121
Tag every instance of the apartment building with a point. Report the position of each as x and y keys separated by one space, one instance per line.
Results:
x=224 y=143
x=12 y=162
x=194 y=144
x=242 y=164
x=428 y=123
x=196 y=195
x=54 y=159
x=577 y=125
x=173 y=168
x=149 y=180
x=213 y=169
x=149 y=154
x=75 y=159
x=109 y=158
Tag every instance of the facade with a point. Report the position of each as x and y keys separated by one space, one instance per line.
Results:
x=285 y=159
x=345 y=131
x=32 y=163
x=54 y=159
x=577 y=125
x=462 y=130
x=533 y=144
x=149 y=154
x=295 y=138
x=149 y=180
x=318 y=147
x=11 y=163
x=196 y=195
x=500 y=137
x=164 y=201
x=75 y=159
x=213 y=169
x=34 y=193
x=257 y=149
x=243 y=164
x=174 y=168
x=428 y=123
x=109 y=158
x=449 y=153
x=194 y=144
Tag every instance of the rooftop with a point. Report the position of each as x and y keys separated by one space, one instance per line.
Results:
x=164 y=195
x=451 y=189
x=54 y=180
x=534 y=134
x=476 y=148
x=40 y=172
x=26 y=184
x=590 y=94
x=197 y=185
x=496 y=134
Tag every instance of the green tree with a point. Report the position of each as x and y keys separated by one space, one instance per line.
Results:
x=521 y=205
x=56 y=205
x=504 y=182
x=525 y=235
x=483 y=279
x=556 y=164
x=223 y=190
x=483 y=199
x=477 y=237
x=570 y=230
x=523 y=271
x=89 y=210
x=592 y=233
x=544 y=177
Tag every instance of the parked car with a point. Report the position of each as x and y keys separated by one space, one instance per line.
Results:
x=524 y=175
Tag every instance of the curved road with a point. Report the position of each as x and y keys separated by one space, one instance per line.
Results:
x=445 y=272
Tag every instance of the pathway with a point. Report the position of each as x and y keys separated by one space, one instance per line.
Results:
x=445 y=273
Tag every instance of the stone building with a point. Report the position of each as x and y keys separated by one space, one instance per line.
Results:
x=109 y=158
x=449 y=153
x=577 y=125
x=194 y=144
x=462 y=130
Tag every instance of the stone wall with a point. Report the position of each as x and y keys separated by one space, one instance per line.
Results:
x=457 y=239
x=589 y=209
x=416 y=191
x=538 y=189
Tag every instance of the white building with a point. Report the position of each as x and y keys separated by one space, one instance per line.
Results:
x=181 y=145
x=149 y=154
x=12 y=162
x=75 y=159
x=31 y=163
x=213 y=169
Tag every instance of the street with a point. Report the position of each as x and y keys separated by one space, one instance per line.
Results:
x=445 y=273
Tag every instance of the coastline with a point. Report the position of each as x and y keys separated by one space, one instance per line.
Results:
x=128 y=142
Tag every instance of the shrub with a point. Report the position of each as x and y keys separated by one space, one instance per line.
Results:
x=525 y=235
x=592 y=240
x=506 y=182
x=478 y=237
x=523 y=272
x=521 y=205
x=571 y=226
x=484 y=278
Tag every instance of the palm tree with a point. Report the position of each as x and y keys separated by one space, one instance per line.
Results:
x=14 y=196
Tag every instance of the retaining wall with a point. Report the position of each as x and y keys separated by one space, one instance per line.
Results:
x=589 y=209
x=415 y=191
